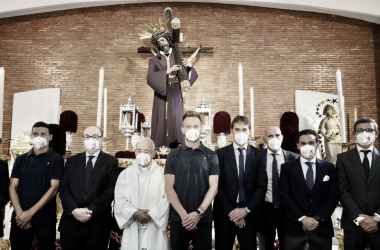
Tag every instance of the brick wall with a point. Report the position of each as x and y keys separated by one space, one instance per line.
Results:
x=281 y=51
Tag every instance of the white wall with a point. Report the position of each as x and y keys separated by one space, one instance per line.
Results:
x=368 y=10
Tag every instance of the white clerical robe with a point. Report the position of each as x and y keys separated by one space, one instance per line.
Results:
x=137 y=190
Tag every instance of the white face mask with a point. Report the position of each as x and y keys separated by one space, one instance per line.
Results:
x=192 y=135
x=365 y=139
x=274 y=143
x=91 y=144
x=143 y=159
x=241 y=138
x=39 y=142
x=308 y=151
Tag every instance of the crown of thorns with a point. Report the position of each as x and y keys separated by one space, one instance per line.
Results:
x=157 y=33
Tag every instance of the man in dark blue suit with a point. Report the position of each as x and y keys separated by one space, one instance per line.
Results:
x=241 y=190
x=309 y=192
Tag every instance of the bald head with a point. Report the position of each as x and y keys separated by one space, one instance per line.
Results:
x=92 y=130
x=270 y=133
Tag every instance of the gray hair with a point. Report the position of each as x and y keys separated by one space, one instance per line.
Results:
x=146 y=139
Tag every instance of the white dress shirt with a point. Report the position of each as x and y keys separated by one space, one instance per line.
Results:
x=237 y=155
x=305 y=167
x=369 y=154
x=93 y=159
x=280 y=157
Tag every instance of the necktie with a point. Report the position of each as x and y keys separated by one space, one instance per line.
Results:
x=310 y=176
x=89 y=168
x=276 y=196
x=366 y=162
x=242 y=197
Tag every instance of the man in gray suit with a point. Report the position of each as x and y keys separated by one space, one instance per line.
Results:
x=359 y=182
x=273 y=212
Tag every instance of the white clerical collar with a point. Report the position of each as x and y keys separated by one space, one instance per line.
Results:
x=360 y=148
x=237 y=146
x=277 y=153
x=303 y=160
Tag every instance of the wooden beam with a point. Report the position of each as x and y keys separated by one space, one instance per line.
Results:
x=189 y=49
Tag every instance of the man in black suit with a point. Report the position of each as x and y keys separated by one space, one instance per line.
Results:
x=309 y=192
x=273 y=212
x=359 y=181
x=87 y=190
x=4 y=189
x=242 y=186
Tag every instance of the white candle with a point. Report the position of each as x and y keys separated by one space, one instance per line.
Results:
x=355 y=115
x=105 y=114
x=252 y=115
x=2 y=75
x=241 y=107
x=341 y=106
x=100 y=96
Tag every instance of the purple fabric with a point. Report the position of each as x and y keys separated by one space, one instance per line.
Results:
x=164 y=132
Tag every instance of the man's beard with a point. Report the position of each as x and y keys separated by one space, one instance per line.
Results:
x=165 y=48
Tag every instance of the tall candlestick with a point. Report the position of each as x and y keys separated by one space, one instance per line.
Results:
x=241 y=107
x=100 y=96
x=341 y=106
x=105 y=114
x=355 y=115
x=252 y=115
x=2 y=75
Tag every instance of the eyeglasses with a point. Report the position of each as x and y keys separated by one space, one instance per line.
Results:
x=96 y=137
x=368 y=130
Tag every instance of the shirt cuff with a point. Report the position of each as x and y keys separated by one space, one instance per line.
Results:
x=356 y=220
x=301 y=218
x=377 y=214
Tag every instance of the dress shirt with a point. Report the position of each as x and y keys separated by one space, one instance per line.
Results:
x=305 y=167
x=280 y=157
x=96 y=154
x=237 y=154
x=369 y=154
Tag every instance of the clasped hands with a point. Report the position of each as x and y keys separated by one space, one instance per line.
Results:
x=82 y=214
x=23 y=219
x=237 y=215
x=190 y=221
x=175 y=68
x=142 y=216
x=368 y=224
x=309 y=224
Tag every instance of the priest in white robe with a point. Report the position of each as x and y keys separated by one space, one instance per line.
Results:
x=141 y=206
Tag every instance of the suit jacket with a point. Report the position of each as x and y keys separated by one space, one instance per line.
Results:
x=4 y=189
x=255 y=182
x=289 y=156
x=97 y=197
x=358 y=195
x=298 y=201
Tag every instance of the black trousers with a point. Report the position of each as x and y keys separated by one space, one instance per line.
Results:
x=272 y=219
x=21 y=239
x=83 y=241
x=201 y=237
x=226 y=231
x=315 y=242
x=359 y=240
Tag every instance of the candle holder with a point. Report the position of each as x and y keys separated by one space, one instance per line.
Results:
x=128 y=120
x=3 y=157
x=205 y=111
x=105 y=142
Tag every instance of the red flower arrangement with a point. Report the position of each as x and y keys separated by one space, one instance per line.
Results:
x=58 y=143
x=222 y=122
x=69 y=121
x=125 y=154
x=289 y=128
x=140 y=119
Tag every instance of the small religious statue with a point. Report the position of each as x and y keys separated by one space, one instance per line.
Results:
x=329 y=128
x=169 y=74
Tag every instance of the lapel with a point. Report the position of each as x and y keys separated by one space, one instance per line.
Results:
x=375 y=164
x=265 y=152
x=249 y=158
x=286 y=156
x=354 y=157
x=320 y=172
x=81 y=167
x=97 y=168
x=298 y=174
x=232 y=160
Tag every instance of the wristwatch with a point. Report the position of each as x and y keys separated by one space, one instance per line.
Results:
x=201 y=214
x=247 y=210
x=377 y=218
x=317 y=218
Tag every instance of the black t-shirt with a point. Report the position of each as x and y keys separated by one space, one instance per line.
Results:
x=35 y=173
x=192 y=169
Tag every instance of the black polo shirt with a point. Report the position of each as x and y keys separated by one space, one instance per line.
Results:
x=192 y=169
x=35 y=173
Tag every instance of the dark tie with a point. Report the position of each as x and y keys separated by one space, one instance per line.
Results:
x=276 y=196
x=242 y=197
x=89 y=168
x=310 y=176
x=366 y=162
